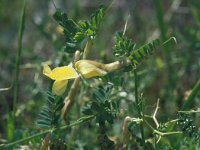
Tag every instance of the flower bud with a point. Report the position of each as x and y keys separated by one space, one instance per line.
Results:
x=89 y=68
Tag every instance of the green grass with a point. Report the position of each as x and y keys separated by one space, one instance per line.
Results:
x=11 y=117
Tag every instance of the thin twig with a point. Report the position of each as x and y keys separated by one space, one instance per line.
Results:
x=125 y=26
x=54 y=4
x=191 y=111
x=162 y=133
x=109 y=7
x=154 y=115
x=5 y=89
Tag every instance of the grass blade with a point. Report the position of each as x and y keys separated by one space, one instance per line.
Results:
x=190 y=99
x=160 y=18
x=18 y=57
x=17 y=65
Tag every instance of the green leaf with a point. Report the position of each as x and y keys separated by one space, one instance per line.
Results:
x=99 y=97
x=45 y=116
x=70 y=30
x=101 y=105
x=84 y=24
x=68 y=24
x=60 y=17
x=97 y=18
x=137 y=56
x=75 y=34
x=88 y=29
x=79 y=36
x=59 y=106
x=47 y=109
x=49 y=117
x=87 y=109
x=109 y=118
x=10 y=126
x=123 y=46
x=43 y=124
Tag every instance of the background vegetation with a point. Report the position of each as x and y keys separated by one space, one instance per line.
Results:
x=170 y=74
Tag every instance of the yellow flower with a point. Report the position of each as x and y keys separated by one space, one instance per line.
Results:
x=89 y=68
x=61 y=76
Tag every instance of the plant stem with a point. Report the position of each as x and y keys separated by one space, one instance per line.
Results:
x=79 y=121
x=18 y=57
x=160 y=18
x=69 y=101
x=190 y=99
x=17 y=67
x=163 y=29
x=138 y=107
x=189 y=112
x=163 y=133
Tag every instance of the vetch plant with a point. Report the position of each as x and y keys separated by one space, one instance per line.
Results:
x=105 y=98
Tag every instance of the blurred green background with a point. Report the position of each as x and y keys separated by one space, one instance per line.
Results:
x=169 y=75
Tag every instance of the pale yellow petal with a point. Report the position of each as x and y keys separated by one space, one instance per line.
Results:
x=63 y=73
x=46 y=70
x=59 y=87
x=90 y=69
x=97 y=64
x=93 y=73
